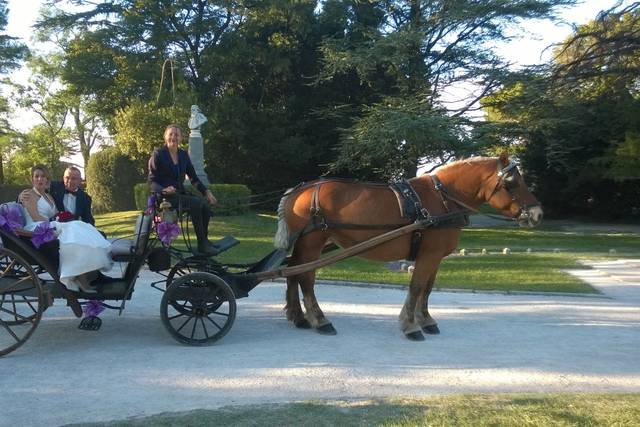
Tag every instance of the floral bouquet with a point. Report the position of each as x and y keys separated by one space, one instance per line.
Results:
x=43 y=233
x=65 y=216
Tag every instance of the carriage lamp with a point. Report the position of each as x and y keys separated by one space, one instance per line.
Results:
x=167 y=213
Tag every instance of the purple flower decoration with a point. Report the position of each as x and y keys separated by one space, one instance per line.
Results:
x=42 y=234
x=167 y=232
x=93 y=307
x=151 y=201
x=10 y=217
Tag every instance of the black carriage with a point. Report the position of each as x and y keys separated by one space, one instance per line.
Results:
x=198 y=306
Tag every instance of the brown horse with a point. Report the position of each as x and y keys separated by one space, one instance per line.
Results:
x=336 y=211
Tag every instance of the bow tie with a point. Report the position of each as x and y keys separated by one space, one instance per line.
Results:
x=73 y=193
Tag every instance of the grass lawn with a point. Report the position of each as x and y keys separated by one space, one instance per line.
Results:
x=539 y=271
x=539 y=410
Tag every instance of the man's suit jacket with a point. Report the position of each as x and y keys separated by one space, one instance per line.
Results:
x=83 y=202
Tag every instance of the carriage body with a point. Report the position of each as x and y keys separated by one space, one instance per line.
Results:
x=198 y=303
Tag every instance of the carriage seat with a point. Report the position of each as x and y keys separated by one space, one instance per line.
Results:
x=126 y=250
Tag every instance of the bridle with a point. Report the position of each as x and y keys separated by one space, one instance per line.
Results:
x=506 y=179
x=509 y=181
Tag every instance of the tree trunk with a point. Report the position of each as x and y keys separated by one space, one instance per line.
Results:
x=85 y=148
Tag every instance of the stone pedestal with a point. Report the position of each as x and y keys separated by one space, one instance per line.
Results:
x=196 y=152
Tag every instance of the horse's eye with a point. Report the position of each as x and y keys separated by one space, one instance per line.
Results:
x=510 y=182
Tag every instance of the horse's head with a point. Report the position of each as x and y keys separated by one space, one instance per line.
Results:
x=508 y=193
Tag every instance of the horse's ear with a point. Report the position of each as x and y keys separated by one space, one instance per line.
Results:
x=504 y=158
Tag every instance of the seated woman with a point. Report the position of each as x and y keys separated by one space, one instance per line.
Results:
x=82 y=249
x=167 y=168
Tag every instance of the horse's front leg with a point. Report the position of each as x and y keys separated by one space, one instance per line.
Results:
x=424 y=319
x=412 y=317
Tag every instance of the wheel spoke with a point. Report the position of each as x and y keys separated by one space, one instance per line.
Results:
x=4 y=325
x=176 y=316
x=15 y=314
x=214 y=322
x=185 y=322
x=220 y=313
x=204 y=328
x=13 y=285
x=24 y=299
x=11 y=264
x=193 y=331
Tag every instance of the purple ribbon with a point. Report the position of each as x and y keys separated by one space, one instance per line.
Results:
x=10 y=218
x=151 y=201
x=42 y=234
x=93 y=307
x=167 y=232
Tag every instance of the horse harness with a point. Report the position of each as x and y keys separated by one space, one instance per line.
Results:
x=410 y=206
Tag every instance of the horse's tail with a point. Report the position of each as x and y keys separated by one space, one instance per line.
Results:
x=281 y=239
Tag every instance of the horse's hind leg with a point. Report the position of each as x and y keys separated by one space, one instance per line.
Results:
x=293 y=308
x=314 y=314
x=308 y=248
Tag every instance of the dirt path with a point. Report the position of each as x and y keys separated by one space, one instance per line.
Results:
x=489 y=343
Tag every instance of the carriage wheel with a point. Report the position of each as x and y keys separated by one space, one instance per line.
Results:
x=188 y=266
x=21 y=301
x=198 y=308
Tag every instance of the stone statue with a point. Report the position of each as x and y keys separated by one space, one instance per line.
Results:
x=196 y=120
x=196 y=144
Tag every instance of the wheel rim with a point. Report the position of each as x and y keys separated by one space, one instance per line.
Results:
x=198 y=308
x=21 y=301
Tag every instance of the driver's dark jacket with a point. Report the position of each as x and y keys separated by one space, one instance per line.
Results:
x=163 y=173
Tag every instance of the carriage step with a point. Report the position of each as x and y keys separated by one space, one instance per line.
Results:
x=225 y=243
x=270 y=262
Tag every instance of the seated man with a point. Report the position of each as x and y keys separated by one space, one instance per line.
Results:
x=70 y=197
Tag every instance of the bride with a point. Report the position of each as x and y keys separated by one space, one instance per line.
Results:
x=82 y=248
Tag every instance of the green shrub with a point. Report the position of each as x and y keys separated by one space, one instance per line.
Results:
x=109 y=177
x=9 y=192
x=232 y=198
x=141 y=195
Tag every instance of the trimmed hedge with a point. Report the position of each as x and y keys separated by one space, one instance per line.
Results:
x=233 y=199
x=9 y=192
x=109 y=178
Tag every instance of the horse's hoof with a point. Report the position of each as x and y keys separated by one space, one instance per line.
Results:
x=431 y=329
x=415 y=336
x=303 y=324
x=327 y=329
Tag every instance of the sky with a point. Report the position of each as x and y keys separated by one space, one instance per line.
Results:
x=527 y=47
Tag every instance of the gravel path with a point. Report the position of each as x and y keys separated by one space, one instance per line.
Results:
x=489 y=343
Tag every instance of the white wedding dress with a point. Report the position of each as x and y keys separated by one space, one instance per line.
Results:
x=82 y=248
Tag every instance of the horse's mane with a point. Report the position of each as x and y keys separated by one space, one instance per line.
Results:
x=476 y=159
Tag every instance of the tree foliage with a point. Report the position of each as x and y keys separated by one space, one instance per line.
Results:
x=139 y=129
x=12 y=51
x=578 y=122
x=409 y=56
